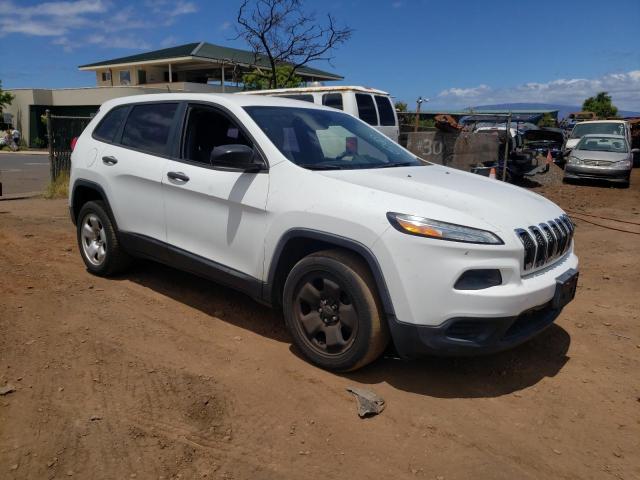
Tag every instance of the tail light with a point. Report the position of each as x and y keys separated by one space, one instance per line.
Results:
x=74 y=140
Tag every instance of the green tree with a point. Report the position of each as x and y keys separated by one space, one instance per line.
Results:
x=600 y=105
x=401 y=107
x=5 y=98
x=261 y=80
x=547 y=120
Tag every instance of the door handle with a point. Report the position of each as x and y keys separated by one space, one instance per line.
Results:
x=178 y=176
x=109 y=160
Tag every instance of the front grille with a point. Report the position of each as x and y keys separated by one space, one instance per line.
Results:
x=546 y=242
x=596 y=163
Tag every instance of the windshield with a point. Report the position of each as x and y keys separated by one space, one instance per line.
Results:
x=607 y=128
x=328 y=140
x=603 y=144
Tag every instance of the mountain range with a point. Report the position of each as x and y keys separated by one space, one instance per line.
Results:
x=563 y=110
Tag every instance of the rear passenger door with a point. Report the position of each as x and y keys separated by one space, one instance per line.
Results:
x=134 y=164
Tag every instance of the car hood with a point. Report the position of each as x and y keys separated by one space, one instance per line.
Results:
x=595 y=155
x=543 y=134
x=455 y=196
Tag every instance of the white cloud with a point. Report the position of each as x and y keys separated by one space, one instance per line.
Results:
x=224 y=26
x=73 y=24
x=169 y=41
x=397 y=4
x=623 y=87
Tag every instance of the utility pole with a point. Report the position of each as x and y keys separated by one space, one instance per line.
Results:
x=418 y=102
x=506 y=148
x=52 y=171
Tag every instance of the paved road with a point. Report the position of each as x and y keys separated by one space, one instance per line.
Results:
x=23 y=173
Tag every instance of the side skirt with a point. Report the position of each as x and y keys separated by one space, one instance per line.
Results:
x=152 y=249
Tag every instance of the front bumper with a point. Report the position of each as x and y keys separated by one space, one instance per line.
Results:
x=432 y=316
x=605 y=173
x=471 y=336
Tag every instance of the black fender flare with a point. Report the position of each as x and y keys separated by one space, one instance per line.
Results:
x=338 y=241
x=93 y=186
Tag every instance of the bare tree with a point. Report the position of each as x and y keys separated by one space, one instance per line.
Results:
x=281 y=32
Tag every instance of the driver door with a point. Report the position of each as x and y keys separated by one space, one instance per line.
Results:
x=216 y=215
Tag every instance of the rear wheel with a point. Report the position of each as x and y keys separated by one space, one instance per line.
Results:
x=97 y=241
x=332 y=311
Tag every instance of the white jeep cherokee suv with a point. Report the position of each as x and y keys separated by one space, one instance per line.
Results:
x=309 y=209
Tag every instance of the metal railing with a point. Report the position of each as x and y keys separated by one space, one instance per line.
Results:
x=61 y=130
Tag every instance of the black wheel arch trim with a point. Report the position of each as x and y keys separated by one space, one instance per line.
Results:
x=338 y=241
x=94 y=186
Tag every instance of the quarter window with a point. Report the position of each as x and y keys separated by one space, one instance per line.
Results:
x=333 y=100
x=387 y=118
x=148 y=127
x=303 y=98
x=110 y=124
x=366 y=108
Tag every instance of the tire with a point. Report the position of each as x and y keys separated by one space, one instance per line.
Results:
x=97 y=241
x=333 y=312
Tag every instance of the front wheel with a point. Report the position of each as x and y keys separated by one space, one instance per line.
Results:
x=332 y=311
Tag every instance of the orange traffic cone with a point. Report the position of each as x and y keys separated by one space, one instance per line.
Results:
x=492 y=173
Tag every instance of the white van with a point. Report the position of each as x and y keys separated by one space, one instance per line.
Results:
x=368 y=104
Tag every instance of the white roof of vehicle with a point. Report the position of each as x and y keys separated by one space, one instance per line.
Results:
x=601 y=121
x=340 y=88
x=604 y=135
x=221 y=98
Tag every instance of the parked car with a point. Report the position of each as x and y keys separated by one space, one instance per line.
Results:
x=607 y=157
x=368 y=104
x=542 y=141
x=607 y=127
x=309 y=209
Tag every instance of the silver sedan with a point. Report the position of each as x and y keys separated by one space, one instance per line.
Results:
x=601 y=156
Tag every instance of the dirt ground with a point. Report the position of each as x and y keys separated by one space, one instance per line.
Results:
x=160 y=374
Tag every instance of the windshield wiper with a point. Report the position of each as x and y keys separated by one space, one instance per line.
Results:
x=314 y=166
x=399 y=164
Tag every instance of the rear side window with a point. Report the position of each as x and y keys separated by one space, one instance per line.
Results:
x=303 y=98
x=333 y=100
x=366 y=108
x=385 y=110
x=110 y=124
x=148 y=127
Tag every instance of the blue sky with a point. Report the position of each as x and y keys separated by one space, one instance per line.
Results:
x=457 y=53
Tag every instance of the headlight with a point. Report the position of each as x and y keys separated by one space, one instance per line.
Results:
x=574 y=160
x=425 y=227
x=622 y=164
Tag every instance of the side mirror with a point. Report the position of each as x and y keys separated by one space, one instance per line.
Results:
x=236 y=157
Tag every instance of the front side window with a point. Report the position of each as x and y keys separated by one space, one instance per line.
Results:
x=148 y=127
x=366 y=108
x=333 y=100
x=328 y=140
x=125 y=77
x=385 y=109
x=110 y=124
x=207 y=128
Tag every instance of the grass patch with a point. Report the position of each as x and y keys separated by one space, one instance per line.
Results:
x=59 y=188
